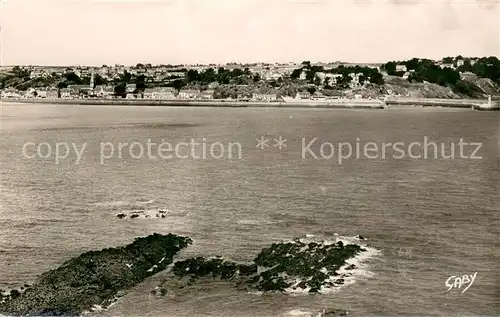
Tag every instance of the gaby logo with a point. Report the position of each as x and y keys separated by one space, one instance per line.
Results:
x=459 y=281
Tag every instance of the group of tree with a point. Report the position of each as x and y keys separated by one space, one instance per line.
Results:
x=425 y=69
x=221 y=76
x=371 y=75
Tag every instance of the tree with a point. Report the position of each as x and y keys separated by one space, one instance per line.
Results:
x=192 y=75
x=311 y=90
x=306 y=64
x=376 y=77
x=140 y=83
x=62 y=84
x=178 y=84
x=99 y=80
x=448 y=60
x=317 y=80
x=121 y=90
x=73 y=78
x=256 y=78
x=296 y=73
x=390 y=68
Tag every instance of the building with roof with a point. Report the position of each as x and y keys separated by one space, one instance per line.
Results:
x=268 y=97
x=189 y=94
x=208 y=94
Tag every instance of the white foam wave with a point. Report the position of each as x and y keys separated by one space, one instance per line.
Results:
x=301 y=313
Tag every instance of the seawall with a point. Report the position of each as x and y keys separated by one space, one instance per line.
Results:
x=477 y=104
x=203 y=103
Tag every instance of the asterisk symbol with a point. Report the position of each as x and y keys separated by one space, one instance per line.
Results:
x=280 y=143
x=262 y=143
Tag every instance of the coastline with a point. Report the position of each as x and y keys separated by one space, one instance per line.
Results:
x=334 y=104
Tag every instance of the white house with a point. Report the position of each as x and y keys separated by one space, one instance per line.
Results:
x=41 y=92
x=160 y=93
x=52 y=93
x=208 y=94
x=303 y=95
x=264 y=97
x=189 y=94
x=401 y=68
x=11 y=93
x=103 y=91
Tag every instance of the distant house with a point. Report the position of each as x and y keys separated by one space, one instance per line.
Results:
x=159 y=93
x=30 y=93
x=332 y=80
x=52 y=93
x=355 y=82
x=189 y=94
x=164 y=93
x=208 y=94
x=318 y=96
x=131 y=88
x=69 y=93
x=401 y=68
x=244 y=96
x=446 y=65
x=130 y=95
x=148 y=93
x=264 y=97
x=460 y=62
x=303 y=95
x=103 y=91
x=11 y=93
x=41 y=92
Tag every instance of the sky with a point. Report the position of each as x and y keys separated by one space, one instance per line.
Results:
x=97 y=32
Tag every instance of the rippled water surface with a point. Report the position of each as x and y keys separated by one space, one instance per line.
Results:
x=430 y=219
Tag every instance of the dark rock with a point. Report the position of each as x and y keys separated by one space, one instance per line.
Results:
x=334 y=313
x=121 y=216
x=134 y=216
x=351 y=267
x=340 y=281
x=95 y=277
x=282 y=264
x=360 y=237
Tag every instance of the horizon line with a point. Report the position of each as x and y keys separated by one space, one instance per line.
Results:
x=241 y=63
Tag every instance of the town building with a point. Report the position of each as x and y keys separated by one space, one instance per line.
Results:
x=52 y=93
x=103 y=91
x=41 y=92
x=11 y=93
x=264 y=97
x=159 y=93
x=303 y=95
x=69 y=93
x=131 y=88
x=208 y=94
x=401 y=68
x=164 y=93
x=318 y=96
x=244 y=96
x=189 y=94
